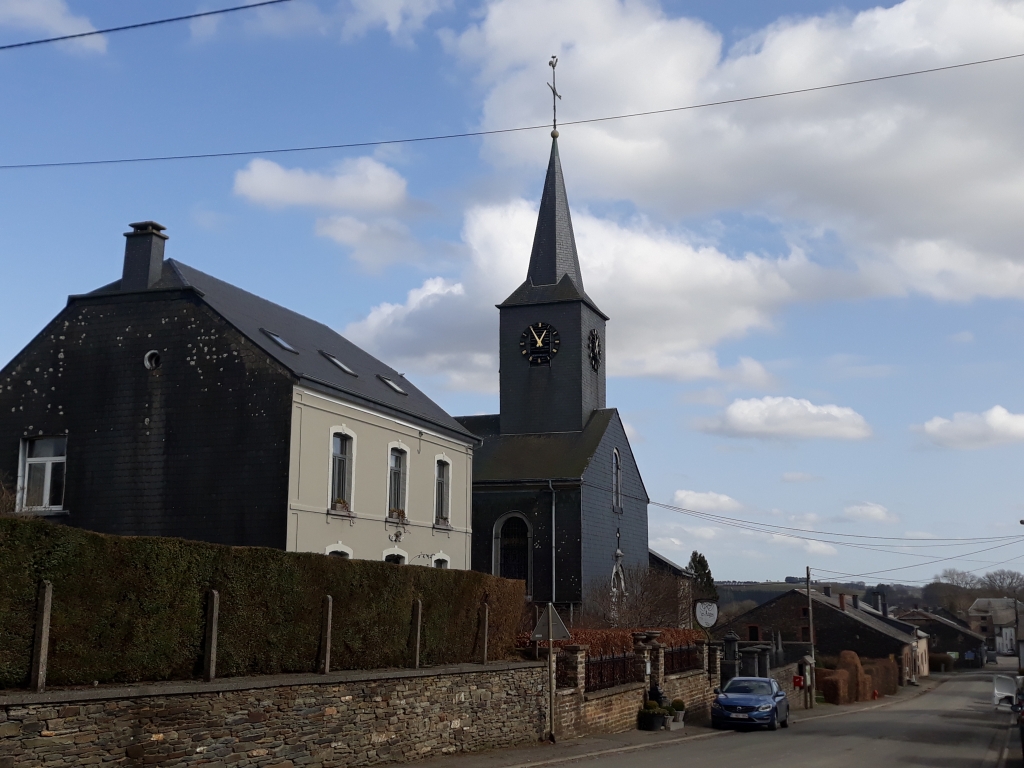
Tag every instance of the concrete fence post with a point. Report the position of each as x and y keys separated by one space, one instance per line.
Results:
x=41 y=645
x=210 y=650
x=642 y=660
x=324 y=663
x=419 y=626
x=657 y=664
x=487 y=619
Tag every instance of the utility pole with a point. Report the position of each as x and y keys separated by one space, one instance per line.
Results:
x=809 y=682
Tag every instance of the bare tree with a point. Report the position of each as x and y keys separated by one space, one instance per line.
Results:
x=963 y=579
x=652 y=598
x=1003 y=581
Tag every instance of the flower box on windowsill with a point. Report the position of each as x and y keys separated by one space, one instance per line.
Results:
x=396 y=515
x=341 y=508
x=443 y=522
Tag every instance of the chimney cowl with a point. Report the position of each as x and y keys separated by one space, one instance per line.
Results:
x=827 y=591
x=143 y=256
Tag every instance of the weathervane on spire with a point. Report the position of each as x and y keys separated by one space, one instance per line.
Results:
x=555 y=95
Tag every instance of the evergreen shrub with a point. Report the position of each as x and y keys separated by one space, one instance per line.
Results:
x=127 y=609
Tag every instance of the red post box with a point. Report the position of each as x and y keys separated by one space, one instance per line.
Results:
x=798 y=681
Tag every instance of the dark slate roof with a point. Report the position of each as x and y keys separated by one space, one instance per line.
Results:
x=249 y=314
x=658 y=561
x=534 y=457
x=925 y=616
x=554 y=273
x=863 y=616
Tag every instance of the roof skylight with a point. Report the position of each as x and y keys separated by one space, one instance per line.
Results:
x=279 y=341
x=338 y=363
x=392 y=384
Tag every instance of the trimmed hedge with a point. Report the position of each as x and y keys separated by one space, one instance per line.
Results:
x=127 y=609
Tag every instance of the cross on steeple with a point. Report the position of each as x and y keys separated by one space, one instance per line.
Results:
x=555 y=96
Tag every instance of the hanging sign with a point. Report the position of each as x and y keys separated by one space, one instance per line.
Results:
x=706 y=612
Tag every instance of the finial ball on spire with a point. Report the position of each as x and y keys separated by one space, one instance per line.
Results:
x=554 y=134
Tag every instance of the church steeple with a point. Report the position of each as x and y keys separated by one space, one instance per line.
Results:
x=554 y=246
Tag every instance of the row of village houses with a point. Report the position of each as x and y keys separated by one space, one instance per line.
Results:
x=843 y=622
x=173 y=403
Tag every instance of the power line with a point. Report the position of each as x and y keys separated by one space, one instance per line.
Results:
x=140 y=25
x=469 y=134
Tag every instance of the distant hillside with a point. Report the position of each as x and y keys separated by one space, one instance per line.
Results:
x=736 y=597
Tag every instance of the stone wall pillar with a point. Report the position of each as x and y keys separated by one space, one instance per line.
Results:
x=658 y=665
x=642 y=658
x=713 y=665
x=764 y=665
x=577 y=660
x=748 y=662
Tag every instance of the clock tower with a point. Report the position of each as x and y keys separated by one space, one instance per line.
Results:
x=552 y=335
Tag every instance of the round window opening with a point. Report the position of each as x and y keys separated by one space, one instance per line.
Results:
x=151 y=360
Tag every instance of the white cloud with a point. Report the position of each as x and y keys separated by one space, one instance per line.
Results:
x=52 y=18
x=668 y=309
x=797 y=477
x=995 y=426
x=869 y=512
x=921 y=179
x=788 y=417
x=401 y=18
x=707 y=501
x=361 y=184
x=964 y=337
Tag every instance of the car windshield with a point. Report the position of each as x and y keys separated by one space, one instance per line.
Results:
x=754 y=687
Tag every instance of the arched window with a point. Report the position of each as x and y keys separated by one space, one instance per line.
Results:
x=442 y=483
x=396 y=556
x=395 y=559
x=616 y=480
x=396 y=483
x=339 y=554
x=514 y=549
x=341 y=473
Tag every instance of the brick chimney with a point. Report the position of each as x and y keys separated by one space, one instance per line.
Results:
x=143 y=256
x=842 y=602
x=827 y=591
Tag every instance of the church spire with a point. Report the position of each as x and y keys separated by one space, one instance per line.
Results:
x=554 y=246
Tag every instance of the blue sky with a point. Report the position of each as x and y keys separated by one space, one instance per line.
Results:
x=816 y=301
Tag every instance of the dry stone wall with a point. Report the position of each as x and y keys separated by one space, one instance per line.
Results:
x=348 y=719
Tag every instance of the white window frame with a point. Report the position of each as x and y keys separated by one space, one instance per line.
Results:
x=343 y=430
x=23 y=464
x=397 y=445
x=447 y=519
x=396 y=551
x=339 y=547
x=440 y=555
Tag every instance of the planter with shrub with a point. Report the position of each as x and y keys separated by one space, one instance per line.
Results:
x=679 y=706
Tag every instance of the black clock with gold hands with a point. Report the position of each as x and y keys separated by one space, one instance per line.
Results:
x=539 y=343
x=594 y=348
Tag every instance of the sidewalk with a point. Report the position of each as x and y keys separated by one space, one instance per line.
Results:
x=536 y=755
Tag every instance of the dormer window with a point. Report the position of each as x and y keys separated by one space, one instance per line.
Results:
x=392 y=384
x=338 y=363
x=279 y=341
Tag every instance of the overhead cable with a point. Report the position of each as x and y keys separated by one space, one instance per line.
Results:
x=140 y=25
x=497 y=131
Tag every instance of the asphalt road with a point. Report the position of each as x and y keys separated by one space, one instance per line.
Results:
x=953 y=726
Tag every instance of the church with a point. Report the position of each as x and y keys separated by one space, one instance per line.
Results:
x=558 y=499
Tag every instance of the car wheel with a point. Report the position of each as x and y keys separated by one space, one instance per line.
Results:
x=773 y=724
x=785 y=723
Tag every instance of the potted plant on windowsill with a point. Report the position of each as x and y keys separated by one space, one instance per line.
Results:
x=442 y=522
x=340 y=505
x=396 y=514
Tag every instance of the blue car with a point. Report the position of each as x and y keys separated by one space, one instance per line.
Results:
x=750 y=701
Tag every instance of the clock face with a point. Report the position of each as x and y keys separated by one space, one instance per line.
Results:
x=539 y=343
x=594 y=347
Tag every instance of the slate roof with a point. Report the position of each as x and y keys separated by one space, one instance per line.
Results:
x=554 y=274
x=928 y=616
x=865 y=617
x=249 y=314
x=659 y=561
x=534 y=457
